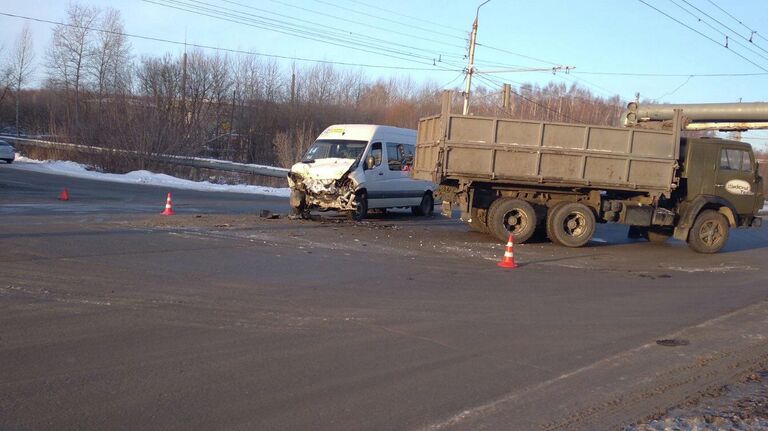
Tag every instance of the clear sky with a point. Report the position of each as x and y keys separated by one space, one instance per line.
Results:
x=594 y=36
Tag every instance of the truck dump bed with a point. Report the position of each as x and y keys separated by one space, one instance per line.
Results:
x=482 y=149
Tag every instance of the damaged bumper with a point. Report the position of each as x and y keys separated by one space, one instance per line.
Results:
x=309 y=193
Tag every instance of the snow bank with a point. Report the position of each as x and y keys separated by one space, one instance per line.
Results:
x=77 y=170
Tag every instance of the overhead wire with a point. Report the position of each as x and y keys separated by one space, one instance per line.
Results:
x=703 y=35
x=752 y=32
x=676 y=88
x=723 y=25
x=727 y=39
x=231 y=50
x=369 y=48
x=405 y=16
x=357 y=12
x=339 y=38
x=347 y=32
x=668 y=75
x=503 y=50
x=419 y=37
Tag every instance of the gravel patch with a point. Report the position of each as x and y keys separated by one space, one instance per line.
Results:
x=741 y=407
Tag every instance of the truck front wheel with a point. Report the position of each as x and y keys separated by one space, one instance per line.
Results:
x=709 y=232
x=570 y=224
x=512 y=216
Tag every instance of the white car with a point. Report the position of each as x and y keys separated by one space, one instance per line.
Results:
x=7 y=152
x=357 y=167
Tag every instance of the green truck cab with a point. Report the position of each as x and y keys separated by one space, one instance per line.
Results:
x=720 y=187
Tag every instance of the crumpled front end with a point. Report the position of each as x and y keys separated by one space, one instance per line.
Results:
x=324 y=185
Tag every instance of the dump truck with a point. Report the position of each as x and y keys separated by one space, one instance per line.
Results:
x=558 y=179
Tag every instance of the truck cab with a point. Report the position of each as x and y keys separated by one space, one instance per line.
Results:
x=719 y=176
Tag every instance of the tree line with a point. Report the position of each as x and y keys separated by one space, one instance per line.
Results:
x=94 y=91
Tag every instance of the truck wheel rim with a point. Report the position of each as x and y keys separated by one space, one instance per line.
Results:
x=575 y=224
x=711 y=233
x=515 y=221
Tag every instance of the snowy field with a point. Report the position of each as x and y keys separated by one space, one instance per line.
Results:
x=77 y=170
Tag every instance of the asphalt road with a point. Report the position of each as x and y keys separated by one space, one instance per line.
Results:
x=114 y=317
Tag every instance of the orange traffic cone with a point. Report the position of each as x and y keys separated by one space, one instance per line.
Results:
x=168 y=210
x=508 y=261
x=64 y=195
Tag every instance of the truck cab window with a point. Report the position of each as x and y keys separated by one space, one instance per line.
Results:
x=735 y=160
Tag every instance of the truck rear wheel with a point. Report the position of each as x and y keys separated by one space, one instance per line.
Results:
x=571 y=224
x=512 y=216
x=709 y=232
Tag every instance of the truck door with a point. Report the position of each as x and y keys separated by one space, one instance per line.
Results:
x=735 y=179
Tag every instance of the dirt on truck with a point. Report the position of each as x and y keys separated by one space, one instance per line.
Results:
x=559 y=180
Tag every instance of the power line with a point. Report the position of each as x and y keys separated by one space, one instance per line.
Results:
x=727 y=39
x=751 y=32
x=453 y=80
x=675 y=90
x=669 y=75
x=702 y=34
x=234 y=51
x=430 y=30
x=341 y=38
x=421 y=38
x=725 y=26
x=518 y=54
x=406 y=16
x=303 y=34
x=342 y=31
x=382 y=19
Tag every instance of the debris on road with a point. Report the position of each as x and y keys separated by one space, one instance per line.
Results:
x=267 y=214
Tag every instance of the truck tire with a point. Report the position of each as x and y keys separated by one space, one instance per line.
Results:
x=478 y=221
x=571 y=224
x=361 y=209
x=659 y=235
x=513 y=216
x=426 y=207
x=709 y=232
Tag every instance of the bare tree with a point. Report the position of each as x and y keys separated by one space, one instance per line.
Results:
x=21 y=65
x=70 y=52
x=109 y=57
x=5 y=76
x=291 y=145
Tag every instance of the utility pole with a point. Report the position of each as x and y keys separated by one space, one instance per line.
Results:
x=471 y=64
x=506 y=91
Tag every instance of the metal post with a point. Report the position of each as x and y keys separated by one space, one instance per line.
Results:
x=506 y=95
x=471 y=64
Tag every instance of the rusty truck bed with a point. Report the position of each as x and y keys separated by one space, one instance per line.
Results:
x=471 y=149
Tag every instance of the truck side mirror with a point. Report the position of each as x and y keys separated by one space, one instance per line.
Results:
x=370 y=162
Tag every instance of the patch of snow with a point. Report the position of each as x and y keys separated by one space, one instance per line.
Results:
x=77 y=170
